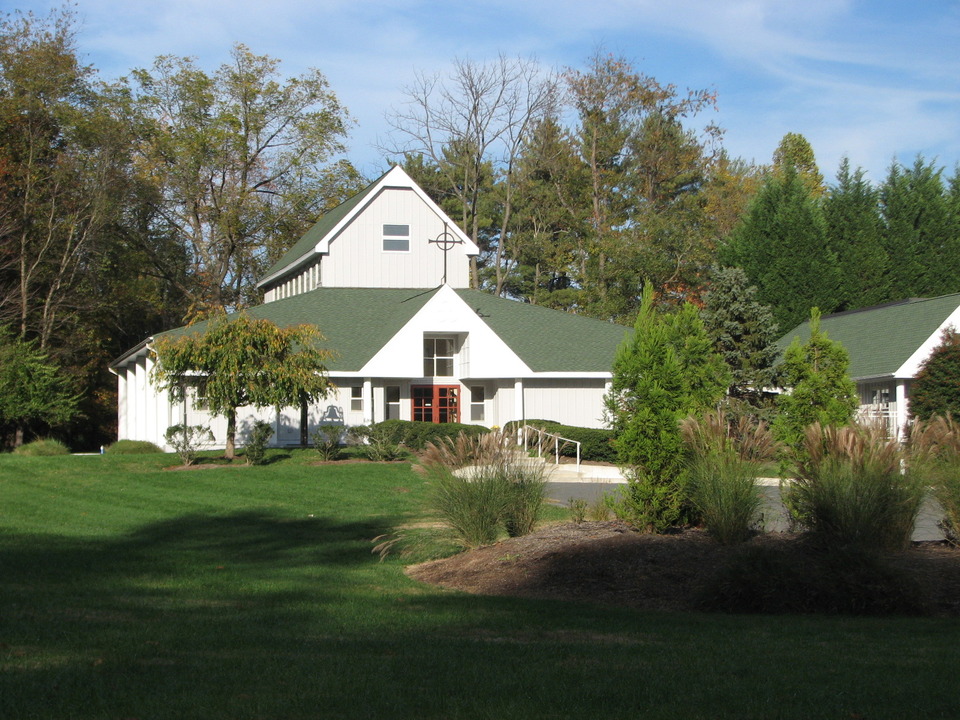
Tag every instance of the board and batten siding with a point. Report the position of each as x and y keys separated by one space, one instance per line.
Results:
x=569 y=402
x=357 y=257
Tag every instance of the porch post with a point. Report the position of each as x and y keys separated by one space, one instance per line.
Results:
x=368 y=401
x=901 y=408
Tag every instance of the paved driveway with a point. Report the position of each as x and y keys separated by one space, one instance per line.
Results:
x=563 y=488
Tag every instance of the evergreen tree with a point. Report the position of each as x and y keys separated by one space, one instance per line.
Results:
x=936 y=389
x=743 y=333
x=795 y=151
x=852 y=213
x=665 y=371
x=818 y=388
x=781 y=246
x=919 y=237
x=34 y=393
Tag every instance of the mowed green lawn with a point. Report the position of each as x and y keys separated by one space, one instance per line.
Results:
x=131 y=591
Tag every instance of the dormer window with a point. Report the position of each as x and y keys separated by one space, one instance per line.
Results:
x=396 y=238
x=438 y=357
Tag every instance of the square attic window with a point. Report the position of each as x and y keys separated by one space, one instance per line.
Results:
x=396 y=238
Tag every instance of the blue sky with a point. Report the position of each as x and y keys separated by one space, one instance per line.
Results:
x=875 y=80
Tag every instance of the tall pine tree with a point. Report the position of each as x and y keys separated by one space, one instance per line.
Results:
x=852 y=213
x=781 y=246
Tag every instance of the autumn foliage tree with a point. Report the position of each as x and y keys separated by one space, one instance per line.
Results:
x=244 y=361
x=936 y=389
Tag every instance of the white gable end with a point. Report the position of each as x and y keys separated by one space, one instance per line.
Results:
x=481 y=352
x=912 y=366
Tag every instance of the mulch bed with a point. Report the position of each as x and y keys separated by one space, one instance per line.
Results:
x=611 y=564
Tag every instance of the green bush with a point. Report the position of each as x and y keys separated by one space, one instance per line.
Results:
x=133 y=447
x=809 y=577
x=415 y=435
x=256 y=448
x=326 y=441
x=188 y=440
x=596 y=445
x=852 y=488
x=377 y=443
x=43 y=447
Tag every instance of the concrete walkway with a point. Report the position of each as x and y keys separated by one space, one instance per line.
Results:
x=594 y=481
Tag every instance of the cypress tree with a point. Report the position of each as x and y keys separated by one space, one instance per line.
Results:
x=781 y=246
x=918 y=236
x=852 y=214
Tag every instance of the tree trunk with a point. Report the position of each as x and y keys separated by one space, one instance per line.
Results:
x=304 y=423
x=231 y=447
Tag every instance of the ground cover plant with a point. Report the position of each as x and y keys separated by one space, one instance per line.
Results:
x=128 y=589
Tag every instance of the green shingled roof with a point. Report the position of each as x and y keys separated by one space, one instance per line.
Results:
x=314 y=235
x=881 y=339
x=549 y=340
x=357 y=322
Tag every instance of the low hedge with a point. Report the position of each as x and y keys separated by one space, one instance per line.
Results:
x=596 y=445
x=415 y=435
x=42 y=447
x=133 y=447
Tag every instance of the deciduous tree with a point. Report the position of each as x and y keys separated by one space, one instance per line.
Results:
x=240 y=162
x=244 y=361
x=936 y=389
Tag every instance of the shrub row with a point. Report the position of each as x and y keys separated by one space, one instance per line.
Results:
x=596 y=445
x=415 y=435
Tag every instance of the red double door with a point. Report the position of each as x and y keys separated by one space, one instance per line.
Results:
x=435 y=403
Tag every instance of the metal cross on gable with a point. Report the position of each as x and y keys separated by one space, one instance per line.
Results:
x=446 y=242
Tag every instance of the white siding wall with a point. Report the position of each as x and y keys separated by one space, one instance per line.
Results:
x=357 y=258
x=571 y=402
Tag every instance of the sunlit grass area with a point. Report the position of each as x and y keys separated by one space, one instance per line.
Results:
x=128 y=590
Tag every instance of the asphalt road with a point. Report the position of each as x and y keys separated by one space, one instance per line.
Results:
x=774 y=515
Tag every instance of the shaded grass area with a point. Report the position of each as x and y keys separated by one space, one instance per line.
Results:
x=128 y=591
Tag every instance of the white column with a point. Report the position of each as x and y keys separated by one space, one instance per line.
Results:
x=901 y=407
x=519 y=413
x=367 y=401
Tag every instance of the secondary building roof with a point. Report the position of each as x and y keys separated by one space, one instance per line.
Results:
x=882 y=339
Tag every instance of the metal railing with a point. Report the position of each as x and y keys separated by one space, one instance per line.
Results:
x=554 y=441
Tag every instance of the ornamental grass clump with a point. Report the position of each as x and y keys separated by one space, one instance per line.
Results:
x=723 y=461
x=853 y=488
x=480 y=485
x=934 y=446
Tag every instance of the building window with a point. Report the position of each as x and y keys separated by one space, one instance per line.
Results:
x=391 y=394
x=438 y=357
x=396 y=238
x=356 y=398
x=477 y=397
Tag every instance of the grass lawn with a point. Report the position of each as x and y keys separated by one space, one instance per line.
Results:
x=130 y=591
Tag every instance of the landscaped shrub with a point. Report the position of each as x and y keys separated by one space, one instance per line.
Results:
x=415 y=435
x=256 y=448
x=326 y=441
x=377 y=443
x=852 y=488
x=133 y=447
x=809 y=577
x=596 y=445
x=46 y=446
x=480 y=485
x=723 y=462
x=188 y=440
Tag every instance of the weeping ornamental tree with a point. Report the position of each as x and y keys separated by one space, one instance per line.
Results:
x=664 y=372
x=244 y=361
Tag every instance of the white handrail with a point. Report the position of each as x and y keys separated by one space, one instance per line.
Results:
x=556 y=445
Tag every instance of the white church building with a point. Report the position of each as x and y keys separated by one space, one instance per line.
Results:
x=385 y=277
